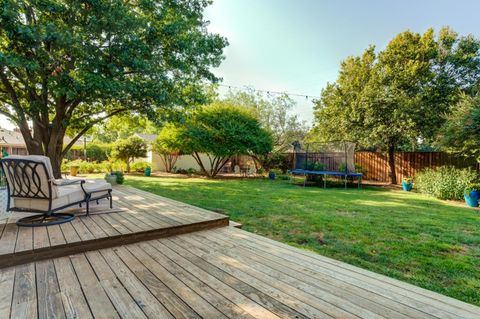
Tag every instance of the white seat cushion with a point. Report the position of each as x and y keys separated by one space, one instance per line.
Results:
x=97 y=187
x=66 y=195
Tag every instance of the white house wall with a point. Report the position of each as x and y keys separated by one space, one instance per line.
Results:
x=183 y=162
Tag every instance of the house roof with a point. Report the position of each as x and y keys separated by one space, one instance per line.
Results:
x=11 y=138
x=15 y=138
x=147 y=137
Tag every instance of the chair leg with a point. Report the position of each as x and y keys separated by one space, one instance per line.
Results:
x=110 y=196
x=88 y=206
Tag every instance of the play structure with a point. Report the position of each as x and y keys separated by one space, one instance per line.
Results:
x=334 y=159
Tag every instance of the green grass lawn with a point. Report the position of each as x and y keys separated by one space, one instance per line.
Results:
x=421 y=240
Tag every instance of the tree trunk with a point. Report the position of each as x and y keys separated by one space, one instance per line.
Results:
x=391 y=163
x=50 y=146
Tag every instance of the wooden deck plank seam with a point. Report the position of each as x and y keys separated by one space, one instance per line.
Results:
x=152 y=274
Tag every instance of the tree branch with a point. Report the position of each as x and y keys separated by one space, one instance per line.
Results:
x=87 y=127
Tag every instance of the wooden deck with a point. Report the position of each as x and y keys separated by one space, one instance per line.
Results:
x=220 y=272
x=142 y=216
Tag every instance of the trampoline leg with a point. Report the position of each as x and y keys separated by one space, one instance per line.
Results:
x=324 y=180
x=345 y=181
x=304 y=179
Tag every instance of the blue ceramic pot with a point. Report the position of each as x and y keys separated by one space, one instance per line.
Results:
x=471 y=199
x=271 y=175
x=407 y=186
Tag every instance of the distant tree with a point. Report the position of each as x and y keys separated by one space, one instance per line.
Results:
x=169 y=145
x=221 y=131
x=399 y=95
x=275 y=115
x=67 y=65
x=461 y=132
x=121 y=127
x=128 y=149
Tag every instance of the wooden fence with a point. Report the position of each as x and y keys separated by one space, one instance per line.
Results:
x=407 y=164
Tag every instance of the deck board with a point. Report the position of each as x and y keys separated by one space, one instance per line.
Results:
x=211 y=274
x=138 y=216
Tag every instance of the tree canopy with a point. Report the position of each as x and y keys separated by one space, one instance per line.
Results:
x=128 y=149
x=399 y=95
x=461 y=132
x=222 y=130
x=275 y=115
x=169 y=145
x=121 y=127
x=68 y=64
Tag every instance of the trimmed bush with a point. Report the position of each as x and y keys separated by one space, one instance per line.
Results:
x=94 y=167
x=445 y=182
x=139 y=166
x=97 y=152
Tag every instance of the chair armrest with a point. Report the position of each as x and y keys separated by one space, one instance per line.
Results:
x=63 y=182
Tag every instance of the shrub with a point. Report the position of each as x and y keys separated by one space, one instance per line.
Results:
x=315 y=166
x=472 y=187
x=189 y=171
x=120 y=177
x=92 y=167
x=445 y=182
x=95 y=151
x=277 y=160
x=139 y=166
x=358 y=168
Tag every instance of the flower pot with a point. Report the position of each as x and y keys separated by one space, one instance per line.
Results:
x=73 y=170
x=147 y=171
x=471 y=199
x=407 y=186
x=112 y=179
x=271 y=175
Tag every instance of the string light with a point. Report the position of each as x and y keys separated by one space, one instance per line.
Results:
x=306 y=96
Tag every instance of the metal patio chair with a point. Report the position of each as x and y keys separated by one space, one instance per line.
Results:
x=32 y=188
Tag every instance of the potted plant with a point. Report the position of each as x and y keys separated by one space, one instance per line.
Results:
x=74 y=170
x=114 y=177
x=472 y=194
x=271 y=175
x=111 y=178
x=407 y=184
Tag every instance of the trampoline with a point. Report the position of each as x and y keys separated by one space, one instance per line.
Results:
x=334 y=159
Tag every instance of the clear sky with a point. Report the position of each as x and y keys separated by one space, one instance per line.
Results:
x=297 y=45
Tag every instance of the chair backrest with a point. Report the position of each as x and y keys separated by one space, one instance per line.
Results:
x=29 y=176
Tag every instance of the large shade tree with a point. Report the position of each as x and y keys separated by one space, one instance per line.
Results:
x=69 y=64
x=460 y=134
x=400 y=95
